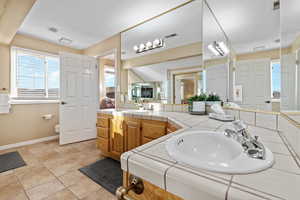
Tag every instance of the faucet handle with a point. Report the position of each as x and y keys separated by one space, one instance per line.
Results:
x=229 y=132
x=239 y=125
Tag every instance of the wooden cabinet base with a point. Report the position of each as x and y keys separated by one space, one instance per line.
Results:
x=151 y=192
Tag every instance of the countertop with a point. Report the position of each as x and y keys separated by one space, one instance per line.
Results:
x=152 y=163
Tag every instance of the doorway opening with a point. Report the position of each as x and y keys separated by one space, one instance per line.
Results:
x=107 y=81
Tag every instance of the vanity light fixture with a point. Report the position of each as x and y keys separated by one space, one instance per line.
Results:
x=157 y=43
x=218 y=48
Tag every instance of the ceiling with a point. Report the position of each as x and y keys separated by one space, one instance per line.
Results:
x=290 y=23
x=2 y=6
x=87 y=22
x=248 y=23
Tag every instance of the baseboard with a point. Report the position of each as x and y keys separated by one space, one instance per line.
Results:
x=25 y=143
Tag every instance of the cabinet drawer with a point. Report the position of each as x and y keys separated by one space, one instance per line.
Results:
x=153 y=131
x=103 y=122
x=146 y=140
x=103 y=132
x=103 y=144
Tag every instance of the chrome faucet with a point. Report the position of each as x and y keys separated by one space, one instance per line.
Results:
x=251 y=146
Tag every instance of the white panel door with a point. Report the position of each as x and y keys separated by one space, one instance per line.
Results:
x=255 y=77
x=216 y=80
x=288 y=82
x=178 y=91
x=78 y=92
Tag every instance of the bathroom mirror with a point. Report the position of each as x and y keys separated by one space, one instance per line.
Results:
x=253 y=28
x=162 y=58
x=216 y=53
x=290 y=54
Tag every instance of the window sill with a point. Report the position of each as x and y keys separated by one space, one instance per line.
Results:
x=19 y=101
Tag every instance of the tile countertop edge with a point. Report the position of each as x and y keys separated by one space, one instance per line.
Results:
x=165 y=175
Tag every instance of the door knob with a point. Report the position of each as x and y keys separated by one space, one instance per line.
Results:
x=63 y=103
x=267 y=101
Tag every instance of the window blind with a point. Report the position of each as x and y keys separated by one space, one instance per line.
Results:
x=36 y=75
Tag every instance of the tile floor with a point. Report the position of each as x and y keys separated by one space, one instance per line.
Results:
x=52 y=173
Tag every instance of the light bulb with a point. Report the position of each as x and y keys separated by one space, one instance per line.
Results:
x=156 y=42
x=149 y=45
x=142 y=47
x=135 y=48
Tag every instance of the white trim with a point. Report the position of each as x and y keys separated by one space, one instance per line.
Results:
x=18 y=101
x=29 y=142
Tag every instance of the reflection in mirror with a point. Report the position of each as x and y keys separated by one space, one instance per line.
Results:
x=253 y=27
x=107 y=81
x=162 y=58
x=290 y=36
x=216 y=51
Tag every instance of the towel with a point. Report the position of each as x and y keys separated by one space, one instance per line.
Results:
x=4 y=103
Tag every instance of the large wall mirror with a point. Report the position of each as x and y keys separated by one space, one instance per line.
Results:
x=162 y=59
x=290 y=54
x=216 y=53
x=253 y=31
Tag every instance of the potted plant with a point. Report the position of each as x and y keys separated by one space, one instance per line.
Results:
x=211 y=99
x=197 y=104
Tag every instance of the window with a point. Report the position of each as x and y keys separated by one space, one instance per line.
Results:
x=109 y=81
x=34 y=75
x=275 y=79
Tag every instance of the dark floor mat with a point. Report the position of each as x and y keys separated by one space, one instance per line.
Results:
x=10 y=161
x=106 y=172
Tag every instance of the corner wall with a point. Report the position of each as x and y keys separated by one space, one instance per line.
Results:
x=25 y=121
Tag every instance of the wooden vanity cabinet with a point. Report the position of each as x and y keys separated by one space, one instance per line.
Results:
x=132 y=129
x=151 y=192
x=103 y=124
x=152 y=129
x=117 y=137
x=116 y=134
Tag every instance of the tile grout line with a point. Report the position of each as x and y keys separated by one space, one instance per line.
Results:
x=290 y=149
x=285 y=171
x=21 y=185
x=228 y=188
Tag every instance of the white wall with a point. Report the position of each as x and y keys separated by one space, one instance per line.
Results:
x=216 y=80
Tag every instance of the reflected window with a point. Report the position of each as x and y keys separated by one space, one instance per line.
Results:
x=275 y=79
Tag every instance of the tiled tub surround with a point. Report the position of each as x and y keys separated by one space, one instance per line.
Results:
x=152 y=163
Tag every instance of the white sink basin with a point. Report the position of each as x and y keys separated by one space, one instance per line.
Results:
x=215 y=152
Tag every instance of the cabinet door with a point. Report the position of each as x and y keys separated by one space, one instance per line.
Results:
x=153 y=129
x=133 y=133
x=103 y=144
x=117 y=137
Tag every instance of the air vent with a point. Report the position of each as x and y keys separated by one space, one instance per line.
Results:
x=276 y=4
x=171 y=35
x=53 y=29
x=64 y=40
